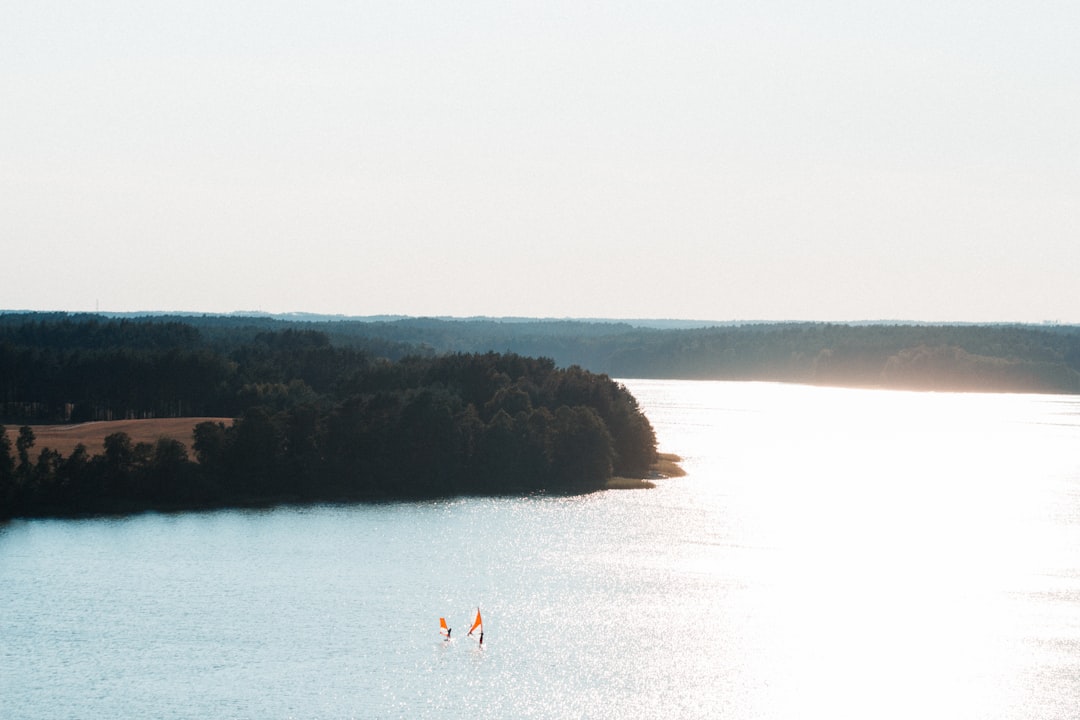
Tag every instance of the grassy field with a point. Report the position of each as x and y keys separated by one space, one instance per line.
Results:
x=64 y=438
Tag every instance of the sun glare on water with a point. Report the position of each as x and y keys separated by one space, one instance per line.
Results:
x=884 y=541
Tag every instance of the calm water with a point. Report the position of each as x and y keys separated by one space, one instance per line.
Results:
x=832 y=553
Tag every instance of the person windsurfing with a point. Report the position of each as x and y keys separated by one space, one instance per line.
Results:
x=478 y=623
x=444 y=630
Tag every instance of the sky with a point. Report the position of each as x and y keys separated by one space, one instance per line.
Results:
x=722 y=160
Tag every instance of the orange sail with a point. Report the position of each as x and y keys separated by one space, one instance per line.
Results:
x=443 y=630
x=478 y=623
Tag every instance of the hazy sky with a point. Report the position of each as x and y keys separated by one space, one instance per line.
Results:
x=829 y=160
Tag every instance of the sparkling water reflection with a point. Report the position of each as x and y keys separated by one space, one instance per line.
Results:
x=833 y=553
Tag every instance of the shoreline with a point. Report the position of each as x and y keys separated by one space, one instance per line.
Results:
x=666 y=466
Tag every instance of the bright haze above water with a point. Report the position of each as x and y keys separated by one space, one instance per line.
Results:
x=722 y=160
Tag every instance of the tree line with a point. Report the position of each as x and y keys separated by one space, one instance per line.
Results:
x=972 y=357
x=943 y=357
x=313 y=422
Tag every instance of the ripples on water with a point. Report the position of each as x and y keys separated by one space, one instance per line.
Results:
x=831 y=553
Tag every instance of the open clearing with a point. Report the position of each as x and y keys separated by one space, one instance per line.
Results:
x=64 y=438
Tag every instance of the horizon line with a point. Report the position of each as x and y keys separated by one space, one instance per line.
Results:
x=300 y=315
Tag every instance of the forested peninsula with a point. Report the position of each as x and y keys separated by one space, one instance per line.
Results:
x=313 y=422
x=332 y=408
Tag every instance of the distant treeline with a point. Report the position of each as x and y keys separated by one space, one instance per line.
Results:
x=314 y=422
x=991 y=358
x=57 y=367
x=983 y=358
x=988 y=358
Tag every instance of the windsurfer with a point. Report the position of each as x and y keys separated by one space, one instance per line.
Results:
x=478 y=623
x=444 y=629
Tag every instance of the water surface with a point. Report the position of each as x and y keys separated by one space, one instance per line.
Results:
x=835 y=553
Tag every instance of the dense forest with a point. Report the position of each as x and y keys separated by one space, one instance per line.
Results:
x=990 y=358
x=314 y=422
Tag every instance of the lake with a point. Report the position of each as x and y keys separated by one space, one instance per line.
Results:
x=831 y=553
